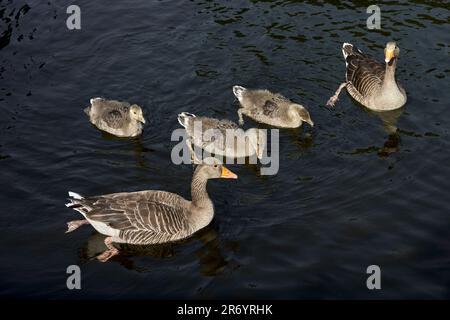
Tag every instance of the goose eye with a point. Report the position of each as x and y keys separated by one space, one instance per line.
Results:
x=215 y=166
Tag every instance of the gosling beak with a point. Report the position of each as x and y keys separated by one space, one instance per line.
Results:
x=310 y=122
x=142 y=120
x=389 y=55
x=227 y=174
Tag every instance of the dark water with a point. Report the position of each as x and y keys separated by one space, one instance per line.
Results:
x=358 y=189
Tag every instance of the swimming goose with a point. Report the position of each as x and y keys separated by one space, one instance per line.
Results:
x=115 y=117
x=369 y=82
x=151 y=216
x=273 y=109
x=222 y=137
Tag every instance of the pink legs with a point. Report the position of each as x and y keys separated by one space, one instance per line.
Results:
x=108 y=254
x=332 y=101
x=75 y=224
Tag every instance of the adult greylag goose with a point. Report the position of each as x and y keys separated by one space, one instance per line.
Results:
x=150 y=216
x=270 y=108
x=116 y=117
x=222 y=137
x=369 y=82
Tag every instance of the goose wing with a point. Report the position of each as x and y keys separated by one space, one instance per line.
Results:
x=213 y=133
x=188 y=121
x=218 y=143
x=226 y=124
x=115 y=117
x=365 y=73
x=156 y=211
x=269 y=108
x=212 y=123
x=272 y=106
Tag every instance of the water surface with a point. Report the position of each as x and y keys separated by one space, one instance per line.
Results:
x=358 y=189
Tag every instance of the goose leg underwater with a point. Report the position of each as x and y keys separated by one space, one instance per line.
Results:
x=75 y=224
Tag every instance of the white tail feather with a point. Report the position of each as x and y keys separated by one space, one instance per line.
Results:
x=94 y=99
x=184 y=115
x=75 y=195
x=238 y=91
x=343 y=51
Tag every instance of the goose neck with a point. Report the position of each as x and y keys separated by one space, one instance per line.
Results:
x=199 y=194
x=389 y=77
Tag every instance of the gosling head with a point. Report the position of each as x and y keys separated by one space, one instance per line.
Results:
x=391 y=52
x=299 y=112
x=211 y=168
x=136 y=113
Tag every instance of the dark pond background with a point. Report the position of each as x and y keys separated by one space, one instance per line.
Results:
x=357 y=189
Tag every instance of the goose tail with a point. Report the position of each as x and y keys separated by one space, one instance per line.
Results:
x=184 y=117
x=347 y=49
x=77 y=202
x=238 y=91
x=75 y=195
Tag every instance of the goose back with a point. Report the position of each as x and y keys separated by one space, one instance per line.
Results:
x=365 y=73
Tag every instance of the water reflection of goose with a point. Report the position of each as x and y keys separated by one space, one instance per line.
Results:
x=139 y=150
x=389 y=123
x=303 y=141
x=389 y=120
x=210 y=257
x=135 y=142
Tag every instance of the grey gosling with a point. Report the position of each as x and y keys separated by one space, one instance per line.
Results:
x=222 y=137
x=270 y=108
x=115 y=117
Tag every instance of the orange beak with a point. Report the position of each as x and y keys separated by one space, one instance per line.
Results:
x=389 y=54
x=227 y=174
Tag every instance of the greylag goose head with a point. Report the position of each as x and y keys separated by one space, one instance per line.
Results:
x=136 y=113
x=212 y=168
x=391 y=52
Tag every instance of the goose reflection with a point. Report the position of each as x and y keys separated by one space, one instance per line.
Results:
x=304 y=140
x=210 y=257
x=389 y=121
x=135 y=142
x=139 y=150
